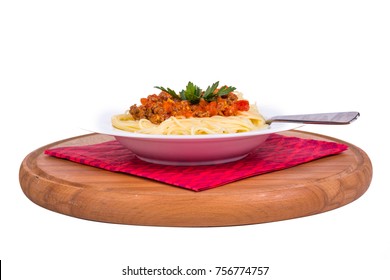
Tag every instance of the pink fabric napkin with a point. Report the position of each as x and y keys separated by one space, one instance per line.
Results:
x=277 y=153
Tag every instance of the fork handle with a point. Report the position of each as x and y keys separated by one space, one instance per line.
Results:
x=321 y=118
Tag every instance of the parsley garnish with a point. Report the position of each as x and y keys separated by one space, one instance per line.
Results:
x=170 y=91
x=193 y=93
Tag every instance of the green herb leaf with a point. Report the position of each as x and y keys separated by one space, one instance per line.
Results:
x=183 y=95
x=170 y=91
x=209 y=95
x=225 y=90
x=192 y=93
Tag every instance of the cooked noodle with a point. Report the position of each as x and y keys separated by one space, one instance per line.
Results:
x=245 y=121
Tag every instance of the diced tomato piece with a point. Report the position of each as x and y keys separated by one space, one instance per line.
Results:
x=242 y=105
x=213 y=108
x=144 y=101
x=167 y=106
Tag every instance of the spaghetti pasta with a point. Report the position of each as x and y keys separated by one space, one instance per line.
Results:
x=243 y=122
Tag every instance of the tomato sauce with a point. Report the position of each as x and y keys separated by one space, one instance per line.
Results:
x=158 y=108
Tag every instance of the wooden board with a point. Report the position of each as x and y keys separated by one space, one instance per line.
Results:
x=94 y=194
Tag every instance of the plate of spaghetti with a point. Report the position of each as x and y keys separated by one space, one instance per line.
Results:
x=190 y=127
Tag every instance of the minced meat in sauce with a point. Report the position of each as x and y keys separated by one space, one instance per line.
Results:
x=158 y=108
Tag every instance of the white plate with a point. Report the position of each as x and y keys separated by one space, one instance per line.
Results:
x=188 y=149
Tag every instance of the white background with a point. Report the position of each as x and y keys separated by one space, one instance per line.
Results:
x=61 y=60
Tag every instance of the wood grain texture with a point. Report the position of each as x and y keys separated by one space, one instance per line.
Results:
x=94 y=194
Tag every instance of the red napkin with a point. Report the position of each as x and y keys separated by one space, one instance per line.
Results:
x=278 y=152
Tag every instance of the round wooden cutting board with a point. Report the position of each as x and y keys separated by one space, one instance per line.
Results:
x=95 y=194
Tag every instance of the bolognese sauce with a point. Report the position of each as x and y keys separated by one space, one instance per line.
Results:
x=159 y=107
